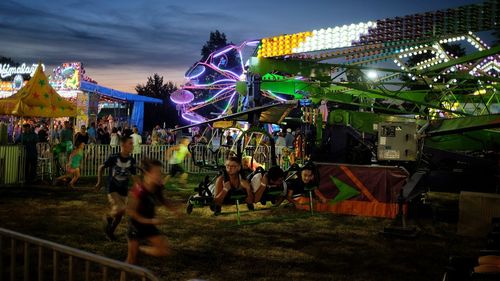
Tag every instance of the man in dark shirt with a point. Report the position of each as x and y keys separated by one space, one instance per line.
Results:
x=100 y=134
x=121 y=167
x=67 y=137
x=82 y=136
x=28 y=138
x=42 y=134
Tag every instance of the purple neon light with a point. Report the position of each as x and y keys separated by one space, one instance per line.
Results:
x=216 y=82
x=252 y=43
x=182 y=97
x=241 y=62
x=192 y=117
x=197 y=75
x=234 y=75
x=216 y=94
x=224 y=51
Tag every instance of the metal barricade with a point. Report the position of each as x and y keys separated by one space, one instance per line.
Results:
x=12 y=163
x=24 y=257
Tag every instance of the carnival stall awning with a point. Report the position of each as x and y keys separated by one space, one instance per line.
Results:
x=114 y=94
x=37 y=99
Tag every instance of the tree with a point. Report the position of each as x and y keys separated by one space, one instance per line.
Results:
x=217 y=40
x=157 y=114
x=5 y=60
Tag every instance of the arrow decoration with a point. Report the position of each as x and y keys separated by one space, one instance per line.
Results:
x=345 y=191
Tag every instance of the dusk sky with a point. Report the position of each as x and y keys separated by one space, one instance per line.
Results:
x=121 y=43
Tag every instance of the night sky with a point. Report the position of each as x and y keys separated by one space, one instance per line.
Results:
x=121 y=43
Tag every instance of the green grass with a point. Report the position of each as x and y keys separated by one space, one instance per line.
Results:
x=272 y=244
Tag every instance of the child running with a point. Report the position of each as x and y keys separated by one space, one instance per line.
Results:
x=121 y=166
x=141 y=210
x=175 y=156
x=73 y=165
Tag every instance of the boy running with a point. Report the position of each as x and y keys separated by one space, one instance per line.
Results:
x=141 y=210
x=121 y=166
x=175 y=156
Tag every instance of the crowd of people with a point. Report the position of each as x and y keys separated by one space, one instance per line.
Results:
x=138 y=202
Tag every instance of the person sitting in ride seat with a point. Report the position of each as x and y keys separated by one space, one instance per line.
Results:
x=274 y=179
x=298 y=186
x=249 y=165
x=230 y=182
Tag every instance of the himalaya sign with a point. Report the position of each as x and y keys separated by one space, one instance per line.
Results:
x=6 y=70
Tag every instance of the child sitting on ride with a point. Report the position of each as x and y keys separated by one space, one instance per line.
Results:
x=305 y=181
x=230 y=182
x=249 y=166
x=272 y=180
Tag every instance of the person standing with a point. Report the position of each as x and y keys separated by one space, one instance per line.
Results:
x=121 y=167
x=106 y=137
x=42 y=134
x=100 y=134
x=82 y=136
x=137 y=140
x=289 y=138
x=67 y=137
x=114 y=137
x=28 y=138
x=92 y=133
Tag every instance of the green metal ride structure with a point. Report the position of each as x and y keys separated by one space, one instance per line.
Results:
x=419 y=91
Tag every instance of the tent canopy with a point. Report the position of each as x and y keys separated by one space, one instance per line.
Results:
x=37 y=99
x=108 y=92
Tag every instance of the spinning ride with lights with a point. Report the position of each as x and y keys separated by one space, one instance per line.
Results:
x=367 y=77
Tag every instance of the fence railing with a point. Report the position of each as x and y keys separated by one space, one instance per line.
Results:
x=24 y=257
x=12 y=164
x=96 y=154
x=12 y=159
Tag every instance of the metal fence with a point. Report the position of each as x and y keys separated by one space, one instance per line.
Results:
x=23 y=257
x=12 y=164
x=12 y=159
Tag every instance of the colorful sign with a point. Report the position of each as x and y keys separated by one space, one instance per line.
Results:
x=6 y=70
x=66 y=76
x=82 y=109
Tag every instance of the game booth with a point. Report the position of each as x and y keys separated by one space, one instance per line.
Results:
x=72 y=84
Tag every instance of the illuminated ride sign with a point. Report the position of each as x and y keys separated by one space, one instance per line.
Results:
x=7 y=71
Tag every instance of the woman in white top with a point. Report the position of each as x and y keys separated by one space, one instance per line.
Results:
x=114 y=137
x=137 y=139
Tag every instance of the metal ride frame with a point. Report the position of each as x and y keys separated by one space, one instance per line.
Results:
x=312 y=65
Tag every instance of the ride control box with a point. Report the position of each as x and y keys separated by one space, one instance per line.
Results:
x=397 y=141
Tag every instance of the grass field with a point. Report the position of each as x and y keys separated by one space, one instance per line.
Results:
x=272 y=244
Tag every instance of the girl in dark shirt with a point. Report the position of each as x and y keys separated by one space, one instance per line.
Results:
x=297 y=187
x=141 y=210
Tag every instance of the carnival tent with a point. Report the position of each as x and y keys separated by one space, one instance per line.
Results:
x=37 y=99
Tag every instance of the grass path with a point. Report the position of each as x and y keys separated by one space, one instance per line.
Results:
x=273 y=244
